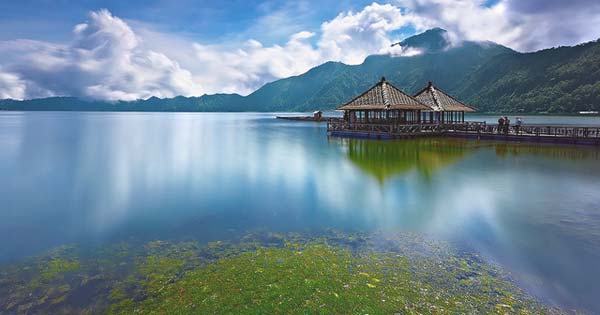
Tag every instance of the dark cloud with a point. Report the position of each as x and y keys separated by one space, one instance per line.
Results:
x=522 y=25
x=552 y=7
x=550 y=23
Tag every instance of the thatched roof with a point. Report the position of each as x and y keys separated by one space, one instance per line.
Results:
x=384 y=96
x=439 y=101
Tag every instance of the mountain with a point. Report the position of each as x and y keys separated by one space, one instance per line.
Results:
x=206 y=103
x=296 y=92
x=486 y=75
x=433 y=40
x=557 y=80
x=332 y=84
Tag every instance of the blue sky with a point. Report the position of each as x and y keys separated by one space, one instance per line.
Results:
x=206 y=21
x=126 y=50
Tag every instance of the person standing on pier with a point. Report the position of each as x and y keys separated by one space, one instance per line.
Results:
x=506 y=124
x=519 y=123
x=500 y=124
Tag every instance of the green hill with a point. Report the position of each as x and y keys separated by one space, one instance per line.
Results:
x=557 y=80
x=486 y=75
x=331 y=84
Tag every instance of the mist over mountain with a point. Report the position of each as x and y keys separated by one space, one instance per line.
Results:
x=486 y=75
x=433 y=40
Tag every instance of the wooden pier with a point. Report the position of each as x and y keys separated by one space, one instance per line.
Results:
x=472 y=130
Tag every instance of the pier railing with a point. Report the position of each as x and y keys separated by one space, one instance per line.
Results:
x=468 y=128
x=533 y=131
x=400 y=128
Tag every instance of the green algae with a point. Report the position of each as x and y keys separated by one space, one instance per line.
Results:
x=320 y=279
x=265 y=273
x=39 y=283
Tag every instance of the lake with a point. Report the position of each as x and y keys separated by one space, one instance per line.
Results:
x=95 y=179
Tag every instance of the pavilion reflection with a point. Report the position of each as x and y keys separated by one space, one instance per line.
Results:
x=385 y=159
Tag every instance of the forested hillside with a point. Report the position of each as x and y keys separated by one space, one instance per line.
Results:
x=558 y=80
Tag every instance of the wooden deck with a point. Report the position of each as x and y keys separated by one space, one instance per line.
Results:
x=473 y=130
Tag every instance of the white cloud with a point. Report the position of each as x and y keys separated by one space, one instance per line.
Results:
x=302 y=35
x=469 y=18
x=103 y=61
x=11 y=86
x=350 y=37
x=107 y=59
x=242 y=68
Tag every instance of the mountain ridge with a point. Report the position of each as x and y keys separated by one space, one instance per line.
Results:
x=432 y=40
x=487 y=75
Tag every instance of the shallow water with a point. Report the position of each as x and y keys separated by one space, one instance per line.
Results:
x=99 y=178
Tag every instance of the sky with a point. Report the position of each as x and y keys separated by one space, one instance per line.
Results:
x=127 y=50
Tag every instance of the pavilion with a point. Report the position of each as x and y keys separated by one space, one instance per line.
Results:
x=385 y=111
x=444 y=109
x=383 y=104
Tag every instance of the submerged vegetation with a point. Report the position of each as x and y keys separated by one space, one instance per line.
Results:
x=265 y=273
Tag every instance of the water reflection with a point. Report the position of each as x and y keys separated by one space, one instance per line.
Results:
x=101 y=177
x=504 y=149
x=384 y=159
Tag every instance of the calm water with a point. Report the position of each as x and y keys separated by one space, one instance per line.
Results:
x=89 y=178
